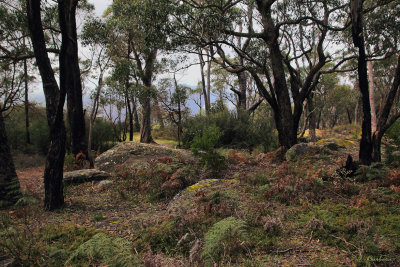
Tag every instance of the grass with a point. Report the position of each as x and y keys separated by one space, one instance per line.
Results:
x=263 y=213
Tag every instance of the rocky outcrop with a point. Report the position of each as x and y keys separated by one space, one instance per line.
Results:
x=322 y=147
x=134 y=156
x=87 y=175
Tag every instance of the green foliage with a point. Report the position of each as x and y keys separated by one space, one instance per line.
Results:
x=376 y=171
x=392 y=135
x=207 y=141
x=161 y=237
x=103 y=137
x=225 y=241
x=204 y=146
x=39 y=130
x=69 y=162
x=102 y=249
x=238 y=130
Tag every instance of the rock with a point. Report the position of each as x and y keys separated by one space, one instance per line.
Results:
x=297 y=150
x=322 y=147
x=135 y=156
x=8 y=262
x=87 y=175
x=102 y=185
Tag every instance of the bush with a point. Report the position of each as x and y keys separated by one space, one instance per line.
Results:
x=103 y=137
x=225 y=240
x=204 y=146
x=239 y=130
x=392 y=151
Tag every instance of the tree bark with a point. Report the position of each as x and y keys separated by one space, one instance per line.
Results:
x=384 y=122
x=365 y=153
x=70 y=75
x=372 y=95
x=145 y=130
x=203 y=82
x=55 y=99
x=147 y=76
x=242 y=94
x=10 y=190
x=130 y=116
x=26 y=104
x=135 y=115
x=311 y=119
x=94 y=110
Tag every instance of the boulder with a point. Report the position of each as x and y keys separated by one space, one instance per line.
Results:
x=321 y=147
x=296 y=151
x=135 y=156
x=86 y=175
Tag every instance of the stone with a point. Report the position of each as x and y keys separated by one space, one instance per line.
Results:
x=297 y=150
x=86 y=175
x=135 y=156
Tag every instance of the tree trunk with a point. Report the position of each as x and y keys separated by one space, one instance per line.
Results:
x=135 y=115
x=365 y=153
x=10 y=190
x=130 y=116
x=203 y=83
x=145 y=130
x=311 y=119
x=70 y=75
x=242 y=96
x=26 y=103
x=372 y=96
x=55 y=100
x=94 y=110
x=376 y=146
x=384 y=121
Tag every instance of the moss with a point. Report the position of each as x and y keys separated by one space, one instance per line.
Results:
x=343 y=143
x=67 y=236
x=160 y=238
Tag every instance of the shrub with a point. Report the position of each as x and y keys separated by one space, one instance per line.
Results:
x=204 y=146
x=103 y=137
x=393 y=145
x=225 y=240
x=239 y=130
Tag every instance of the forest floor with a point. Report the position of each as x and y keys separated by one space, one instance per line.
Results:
x=257 y=210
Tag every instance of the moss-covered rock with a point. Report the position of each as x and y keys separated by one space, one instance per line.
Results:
x=134 y=156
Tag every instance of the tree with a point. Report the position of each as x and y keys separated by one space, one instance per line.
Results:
x=97 y=36
x=147 y=24
x=55 y=99
x=10 y=92
x=286 y=50
x=70 y=75
x=386 y=41
x=174 y=101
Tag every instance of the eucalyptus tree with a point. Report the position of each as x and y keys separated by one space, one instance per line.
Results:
x=11 y=90
x=145 y=23
x=55 y=95
x=286 y=48
x=380 y=22
x=98 y=37
x=173 y=97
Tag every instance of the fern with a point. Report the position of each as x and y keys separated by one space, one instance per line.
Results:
x=225 y=239
x=104 y=250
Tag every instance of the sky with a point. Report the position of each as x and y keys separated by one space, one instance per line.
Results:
x=189 y=77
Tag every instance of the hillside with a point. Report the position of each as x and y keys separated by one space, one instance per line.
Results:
x=162 y=207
